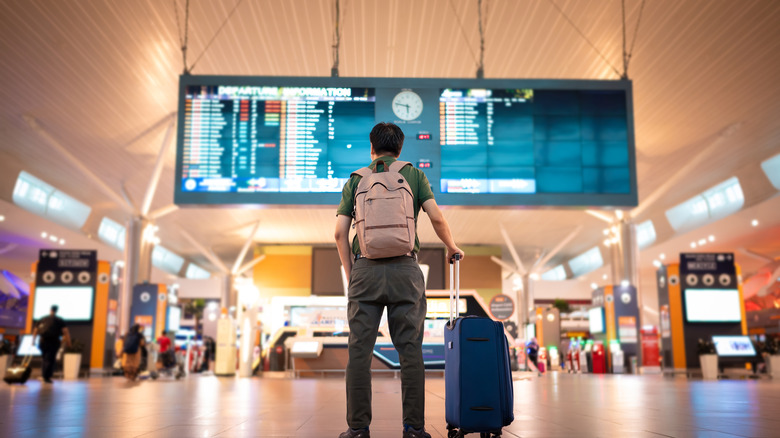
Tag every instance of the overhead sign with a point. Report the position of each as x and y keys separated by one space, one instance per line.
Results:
x=480 y=142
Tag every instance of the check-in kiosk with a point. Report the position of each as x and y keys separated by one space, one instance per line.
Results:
x=79 y=284
x=599 y=358
x=555 y=358
x=614 y=317
x=699 y=297
x=150 y=309
x=618 y=359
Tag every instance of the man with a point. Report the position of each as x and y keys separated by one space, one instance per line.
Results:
x=50 y=329
x=395 y=282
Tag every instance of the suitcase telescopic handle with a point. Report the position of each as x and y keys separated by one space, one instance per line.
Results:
x=454 y=285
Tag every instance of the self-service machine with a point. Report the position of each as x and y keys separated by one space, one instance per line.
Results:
x=226 y=346
x=615 y=317
x=618 y=359
x=555 y=358
x=150 y=309
x=599 y=358
x=79 y=284
x=699 y=297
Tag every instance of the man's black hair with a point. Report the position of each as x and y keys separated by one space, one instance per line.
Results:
x=55 y=308
x=387 y=139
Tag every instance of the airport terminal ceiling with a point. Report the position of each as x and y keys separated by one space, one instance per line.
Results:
x=698 y=92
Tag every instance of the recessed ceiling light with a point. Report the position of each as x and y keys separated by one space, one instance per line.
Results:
x=53 y=238
x=2 y=218
x=596 y=286
x=604 y=276
x=62 y=241
x=656 y=263
x=607 y=242
x=624 y=283
x=606 y=231
x=662 y=256
x=754 y=222
x=693 y=244
x=44 y=234
x=711 y=238
x=702 y=242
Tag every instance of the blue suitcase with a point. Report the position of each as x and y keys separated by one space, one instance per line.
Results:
x=477 y=377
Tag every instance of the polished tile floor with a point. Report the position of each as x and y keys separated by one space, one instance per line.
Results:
x=556 y=405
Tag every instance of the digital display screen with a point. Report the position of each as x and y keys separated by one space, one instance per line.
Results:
x=75 y=302
x=712 y=305
x=501 y=142
x=28 y=346
x=534 y=141
x=596 y=320
x=174 y=319
x=274 y=139
x=733 y=346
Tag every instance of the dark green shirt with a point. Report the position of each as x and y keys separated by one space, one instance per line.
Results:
x=418 y=182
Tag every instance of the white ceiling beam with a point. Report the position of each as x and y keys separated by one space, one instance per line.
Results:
x=249 y=265
x=206 y=253
x=558 y=247
x=505 y=265
x=108 y=191
x=601 y=216
x=245 y=248
x=158 y=168
x=127 y=197
x=512 y=251
x=685 y=171
x=756 y=255
x=160 y=212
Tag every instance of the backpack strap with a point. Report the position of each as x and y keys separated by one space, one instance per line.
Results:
x=398 y=165
x=362 y=172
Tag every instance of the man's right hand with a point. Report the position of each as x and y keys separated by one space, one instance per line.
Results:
x=454 y=250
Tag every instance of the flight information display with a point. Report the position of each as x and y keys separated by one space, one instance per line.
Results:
x=480 y=142
x=273 y=139
x=521 y=141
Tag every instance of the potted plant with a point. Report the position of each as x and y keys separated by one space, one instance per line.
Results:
x=771 y=353
x=71 y=360
x=6 y=353
x=708 y=360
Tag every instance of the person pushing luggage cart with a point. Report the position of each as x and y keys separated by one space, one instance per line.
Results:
x=384 y=200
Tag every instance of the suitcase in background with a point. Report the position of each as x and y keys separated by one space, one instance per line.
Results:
x=541 y=366
x=19 y=374
x=479 y=397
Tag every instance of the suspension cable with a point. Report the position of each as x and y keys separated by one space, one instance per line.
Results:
x=183 y=39
x=463 y=32
x=481 y=66
x=601 y=55
x=334 y=70
x=222 y=26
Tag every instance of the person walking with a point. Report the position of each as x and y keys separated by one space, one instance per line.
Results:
x=129 y=348
x=50 y=328
x=395 y=282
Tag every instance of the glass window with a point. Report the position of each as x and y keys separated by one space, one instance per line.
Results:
x=112 y=233
x=586 y=262
x=196 y=272
x=555 y=274
x=712 y=204
x=167 y=260
x=645 y=234
x=771 y=168
x=36 y=196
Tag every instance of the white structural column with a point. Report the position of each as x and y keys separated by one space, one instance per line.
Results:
x=228 y=296
x=138 y=266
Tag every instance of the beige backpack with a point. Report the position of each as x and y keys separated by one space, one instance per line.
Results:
x=384 y=212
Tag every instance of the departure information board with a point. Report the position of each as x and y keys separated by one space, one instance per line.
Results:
x=283 y=141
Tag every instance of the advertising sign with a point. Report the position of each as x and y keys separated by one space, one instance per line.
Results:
x=627 y=329
x=501 y=307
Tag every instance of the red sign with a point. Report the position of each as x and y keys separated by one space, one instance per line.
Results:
x=650 y=347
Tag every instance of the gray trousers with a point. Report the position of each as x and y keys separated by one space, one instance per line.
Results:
x=397 y=283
